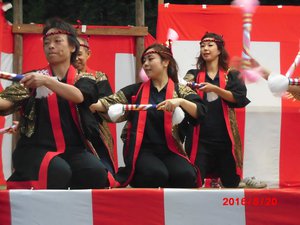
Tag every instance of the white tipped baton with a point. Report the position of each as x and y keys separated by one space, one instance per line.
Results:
x=279 y=84
x=11 y=76
x=248 y=7
x=117 y=110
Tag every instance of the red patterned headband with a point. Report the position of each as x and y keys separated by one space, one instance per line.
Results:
x=57 y=32
x=211 y=40
x=157 y=52
x=85 y=46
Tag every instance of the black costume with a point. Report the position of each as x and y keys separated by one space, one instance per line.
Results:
x=93 y=125
x=52 y=151
x=217 y=149
x=153 y=152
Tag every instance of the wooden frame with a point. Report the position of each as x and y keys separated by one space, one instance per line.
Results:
x=161 y=2
x=18 y=54
x=139 y=31
x=140 y=41
x=126 y=31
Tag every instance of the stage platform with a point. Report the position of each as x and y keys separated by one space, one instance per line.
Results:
x=151 y=207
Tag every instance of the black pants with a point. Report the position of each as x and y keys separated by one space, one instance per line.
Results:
x=77 y=171
x=80 y=170
x=158 y=167
x=217 y=159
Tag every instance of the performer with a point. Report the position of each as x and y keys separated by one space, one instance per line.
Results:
x=215 y=146
x=153 y=152
x=51 y=152
x=101 y=136
x=84 y=54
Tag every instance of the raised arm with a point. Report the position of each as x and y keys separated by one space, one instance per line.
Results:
x=66 y=91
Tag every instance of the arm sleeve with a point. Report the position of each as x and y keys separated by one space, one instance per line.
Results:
x=88 y=87
x=123 y=96
x=188 y=94
x=191 y=75
x=237 y=87
x=104 y=88
x=15 y=93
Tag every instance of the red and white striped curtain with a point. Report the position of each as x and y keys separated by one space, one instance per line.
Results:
x=269 y=125
x=150 y=207
x=6 y=58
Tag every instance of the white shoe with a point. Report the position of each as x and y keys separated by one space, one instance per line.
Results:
x=251 y=182
x=242 y=184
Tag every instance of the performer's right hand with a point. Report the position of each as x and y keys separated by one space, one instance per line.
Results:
x=98 y=106
x=34 y=80
x=14 y=128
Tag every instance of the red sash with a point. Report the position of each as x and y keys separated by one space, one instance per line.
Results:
x=142 y=117
x=201 y=78
x=41 y=183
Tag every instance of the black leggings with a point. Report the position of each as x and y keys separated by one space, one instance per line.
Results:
x=77 y=171
x=217 y=159
x=163 y=170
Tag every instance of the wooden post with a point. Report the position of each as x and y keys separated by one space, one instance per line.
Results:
x=18 y=41
x=140 y=21
x=123 y=31
x=160 y=2
x=18 y=52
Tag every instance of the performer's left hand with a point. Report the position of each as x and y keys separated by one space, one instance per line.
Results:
x=169 y=105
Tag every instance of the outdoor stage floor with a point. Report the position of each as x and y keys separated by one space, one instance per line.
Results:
x=150 y=206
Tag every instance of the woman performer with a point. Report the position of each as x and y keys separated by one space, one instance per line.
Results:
x=215 y=146
x=153 y=152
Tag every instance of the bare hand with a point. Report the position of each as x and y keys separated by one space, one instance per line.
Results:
x=208 y=87
x=34 y=80
x=98 y=106
x=14 y=129
x=93 y=107
x=254 y=63
x=238 y=63
x=169 y=105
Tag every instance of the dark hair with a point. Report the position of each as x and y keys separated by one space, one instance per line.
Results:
x=61 y=25
x=223 y=57
x=165 y=54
